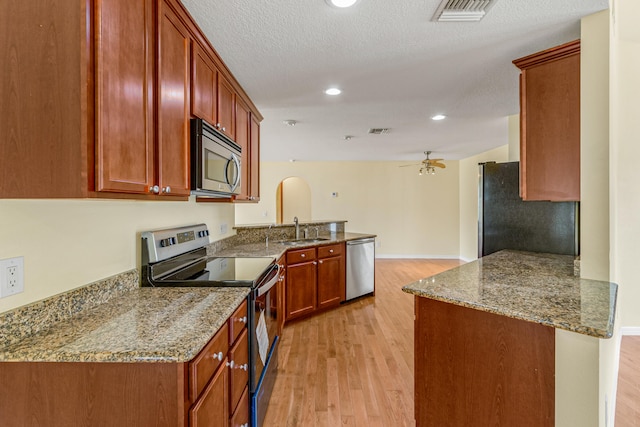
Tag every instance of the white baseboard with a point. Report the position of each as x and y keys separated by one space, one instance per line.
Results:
x=630 y=330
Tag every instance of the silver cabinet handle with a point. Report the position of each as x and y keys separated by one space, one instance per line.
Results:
x=315 y=263
x=155 y=189
x=330 y=251
x=244 y=367
x=218 y=356
x=224 y=129
x=218 y=125
x=231 y=364
x=242 y=319
x=166 y=190
x=303 y=255
x=320 y=261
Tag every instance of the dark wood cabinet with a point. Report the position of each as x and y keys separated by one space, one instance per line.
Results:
x=550 y=124
x=113 y=83
x=211 y=410
x=254 y=158
x=331 y=276
x=315 y=279
x=174 y=84
x=124 y=80
x=301 y=283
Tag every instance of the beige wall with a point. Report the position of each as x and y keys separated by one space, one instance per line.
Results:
x=413 y=216
x=469 y=199
x=70 y=243
x=624 y=176
x=514 y=138
x=296 y=200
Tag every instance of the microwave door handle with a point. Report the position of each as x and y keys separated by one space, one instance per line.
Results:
x=236 y=162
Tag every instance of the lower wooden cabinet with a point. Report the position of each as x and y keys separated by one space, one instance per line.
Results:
x=315 y=279
x=212 y=409
x=240 y=417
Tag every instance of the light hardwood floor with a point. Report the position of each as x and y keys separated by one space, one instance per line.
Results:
x=353 y=365
x=628 y=395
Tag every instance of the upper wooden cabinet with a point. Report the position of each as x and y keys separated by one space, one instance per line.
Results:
x=214 y=98
x=97 y=102
x=550 y=124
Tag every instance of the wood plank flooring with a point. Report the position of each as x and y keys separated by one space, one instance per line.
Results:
x=628 y=395
x=353 y=366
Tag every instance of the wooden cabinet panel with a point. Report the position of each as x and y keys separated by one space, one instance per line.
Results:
x=550 y=124
x=301 y=289
x=254 y=153
x=124 y=96
x=204 y=86
x=173 y=103
x=237 y=322
x=202 y=367
x=239 y=372
x=474 y=368
x=331 y=250
x=212 y=409
x=240 y=417
x=331 y=281
x=282 y=282
x=226 y=107
x=301 y=255
x=242 y=139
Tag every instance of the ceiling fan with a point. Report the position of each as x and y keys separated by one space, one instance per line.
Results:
x=428 y=166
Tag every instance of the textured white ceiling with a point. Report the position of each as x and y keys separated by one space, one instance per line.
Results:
x=395 y=66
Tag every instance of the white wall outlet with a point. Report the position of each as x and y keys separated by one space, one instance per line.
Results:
x=224 y=228
x=265 y=214
x=11 y=276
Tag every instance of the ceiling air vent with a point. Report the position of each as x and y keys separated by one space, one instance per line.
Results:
x=462 y=10
x=379 y=131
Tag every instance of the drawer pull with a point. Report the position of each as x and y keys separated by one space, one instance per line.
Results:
x=244 y=367
x=218 y=356
x=231 y=364
x=303 y=255
x=242 y=320
x=330 y=251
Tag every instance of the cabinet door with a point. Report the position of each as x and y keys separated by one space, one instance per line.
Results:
x=242 y=139
x=204 y=88
x=226 y=107
x=331 y=281
x=301 y=289
x=173 y=103
x=254 y=152
x=239 y=372
x=550 y=124
x=240 y=417
x=212 y=409
x=125 y=158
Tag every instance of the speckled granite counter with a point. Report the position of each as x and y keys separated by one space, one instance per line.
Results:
x=143 y=325
x=539 y=288
x=276 y=248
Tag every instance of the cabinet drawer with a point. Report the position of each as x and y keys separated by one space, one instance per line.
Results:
x=239 y=372
x=237 y=322
x=330 y=250
x=301 y=255
x=240 y=417
x=201 y=369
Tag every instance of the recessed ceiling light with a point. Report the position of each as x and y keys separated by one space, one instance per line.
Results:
x=438 y=117
x=289 y=122
x=341 y=3
x=333 y=91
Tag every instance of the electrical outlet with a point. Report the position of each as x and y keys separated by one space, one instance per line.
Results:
x=11 y=276
x=224 y=228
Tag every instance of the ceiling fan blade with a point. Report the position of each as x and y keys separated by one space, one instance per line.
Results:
x=436 y=160
x=438 y=165
x=404 y=166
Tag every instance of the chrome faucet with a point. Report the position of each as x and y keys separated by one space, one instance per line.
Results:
x=295 y=221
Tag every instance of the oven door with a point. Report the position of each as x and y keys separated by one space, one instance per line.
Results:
x=265 y=319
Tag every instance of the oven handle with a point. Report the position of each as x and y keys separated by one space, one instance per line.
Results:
x=266 y=287
x=236 y=162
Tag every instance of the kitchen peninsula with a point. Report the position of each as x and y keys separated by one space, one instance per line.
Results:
x=485 y=337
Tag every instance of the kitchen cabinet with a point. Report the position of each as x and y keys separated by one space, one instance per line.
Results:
x=315 y=279
x=331 y=275
x=550 y=124
x=301 y=283
x=100 y=99
x=195 y=393
x=254 y=158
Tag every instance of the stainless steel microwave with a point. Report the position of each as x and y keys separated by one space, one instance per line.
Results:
x=216 y=162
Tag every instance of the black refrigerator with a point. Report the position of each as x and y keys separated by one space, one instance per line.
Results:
x=507 y=222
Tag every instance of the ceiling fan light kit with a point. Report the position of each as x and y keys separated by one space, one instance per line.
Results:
x=341 y=3
x=428 y=166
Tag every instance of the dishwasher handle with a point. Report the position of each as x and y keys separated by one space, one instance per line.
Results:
x=360 y=241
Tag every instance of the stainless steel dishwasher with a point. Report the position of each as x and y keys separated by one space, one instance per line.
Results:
x=360 y=267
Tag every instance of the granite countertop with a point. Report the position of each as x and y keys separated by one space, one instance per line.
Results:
x=144 y=325
x=535 y=287
x=277 y=248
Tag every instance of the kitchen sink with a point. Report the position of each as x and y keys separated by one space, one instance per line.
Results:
x=303 y=241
